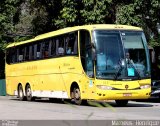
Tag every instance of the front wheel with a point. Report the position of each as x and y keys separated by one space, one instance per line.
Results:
x=77 y=96
x=121 y=103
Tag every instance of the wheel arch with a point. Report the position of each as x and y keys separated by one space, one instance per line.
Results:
x=73 y=85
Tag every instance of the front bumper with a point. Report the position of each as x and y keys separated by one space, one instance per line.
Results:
x=122 y=94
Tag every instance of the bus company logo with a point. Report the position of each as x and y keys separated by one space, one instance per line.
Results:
x=126 y=86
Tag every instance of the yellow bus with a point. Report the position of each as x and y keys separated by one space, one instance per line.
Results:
x=90 y=62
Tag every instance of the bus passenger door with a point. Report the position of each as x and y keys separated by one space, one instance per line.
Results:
x=87 y=63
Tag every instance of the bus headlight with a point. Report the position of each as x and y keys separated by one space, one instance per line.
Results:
x=145 y=86
x=104 y=87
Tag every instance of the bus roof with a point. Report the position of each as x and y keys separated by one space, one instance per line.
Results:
x=71 y=29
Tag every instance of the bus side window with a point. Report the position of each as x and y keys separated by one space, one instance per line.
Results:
x=52 y=47
x=71 y=43
x=20 y=54
x=31 y=52
x=45 y=49
x=68 y=44
x=57 y=45
x=76 y=44
x=26 y=53
x=38 y=51
x=61 y=46
x=11 y=55
x=16 y=55
x=8 y=56
x=20 y=58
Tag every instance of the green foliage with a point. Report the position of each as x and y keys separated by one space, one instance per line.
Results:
x=85 y=12
x=95 y=11
x=8 y=10
x=141 y=13
x=154 y=42
x=46 y=12
x=68 y=14
x=3 y=45
x=22 y=38
x=126 y=15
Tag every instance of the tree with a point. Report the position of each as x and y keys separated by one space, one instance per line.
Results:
x=46 y=12
x=143 y=13
x=80 y=12
x=9 y=16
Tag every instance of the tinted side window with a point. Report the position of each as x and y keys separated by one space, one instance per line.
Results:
x=61 y=48
x=32 y=52
x=71 y=43
x=38 y=51
x=11 y=55
x=45 y=49
x=26 y=53
x=21 y=51
x=52 y=47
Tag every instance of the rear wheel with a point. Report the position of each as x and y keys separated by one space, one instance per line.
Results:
x=121 y=102
x=29 y=93
x=21 y=93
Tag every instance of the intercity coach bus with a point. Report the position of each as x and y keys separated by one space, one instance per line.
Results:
x=80 y=63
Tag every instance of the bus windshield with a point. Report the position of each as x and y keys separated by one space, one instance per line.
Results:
x=121 y=55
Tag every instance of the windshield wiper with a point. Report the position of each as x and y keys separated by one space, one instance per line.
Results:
x=119 y=69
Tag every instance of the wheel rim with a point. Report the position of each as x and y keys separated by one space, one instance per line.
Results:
x=20 y=92
x=29 y=93
x=77 y=94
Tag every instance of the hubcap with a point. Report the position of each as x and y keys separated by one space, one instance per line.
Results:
x=29 y=92
x=77 y=94
x=21 y=93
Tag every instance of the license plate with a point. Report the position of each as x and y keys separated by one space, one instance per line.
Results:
x=127 y=94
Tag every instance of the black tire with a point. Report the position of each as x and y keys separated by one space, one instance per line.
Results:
x=121 y=103
x=29 y=93
x=21 y=93
x=77 y=96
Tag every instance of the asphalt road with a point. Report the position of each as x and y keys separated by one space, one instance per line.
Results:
x=13 y=109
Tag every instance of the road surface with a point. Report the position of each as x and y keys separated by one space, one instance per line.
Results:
x=13 y=109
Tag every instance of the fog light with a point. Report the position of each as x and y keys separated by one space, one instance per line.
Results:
x=145 y=86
